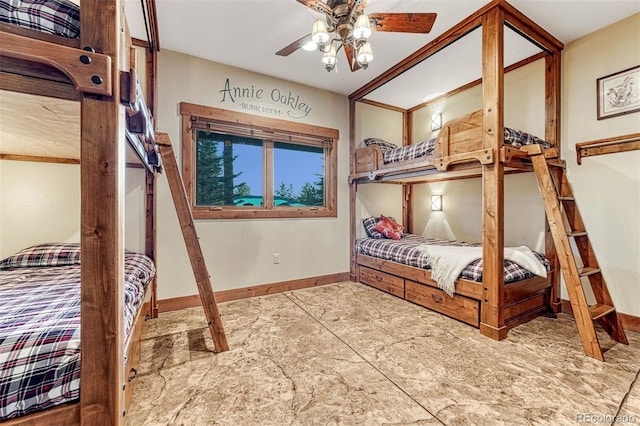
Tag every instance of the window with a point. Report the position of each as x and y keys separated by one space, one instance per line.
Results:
x=238 y=165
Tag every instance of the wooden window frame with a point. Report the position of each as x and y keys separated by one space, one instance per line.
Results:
x=199 y=117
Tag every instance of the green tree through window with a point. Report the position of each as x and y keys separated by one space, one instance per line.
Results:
x=215 y=177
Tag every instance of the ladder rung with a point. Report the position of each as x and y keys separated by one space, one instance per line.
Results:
x=598 y=310
x=566 y=199
x=588 y=270
x=577 y=233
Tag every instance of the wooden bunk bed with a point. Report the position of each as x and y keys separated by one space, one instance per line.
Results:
x=470 y=146
x=98 y=70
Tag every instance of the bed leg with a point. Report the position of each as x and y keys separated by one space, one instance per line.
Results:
x=355 y=275
x=551 y=303
x=492 y=332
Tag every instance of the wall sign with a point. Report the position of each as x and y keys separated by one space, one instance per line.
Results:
x=276 y=102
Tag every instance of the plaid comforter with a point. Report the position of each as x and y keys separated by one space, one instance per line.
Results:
x=513 y=137
x=406 y=251
x=40 y=332
x=59 y=17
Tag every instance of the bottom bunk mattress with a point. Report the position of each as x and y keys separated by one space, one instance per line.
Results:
x=40 y=325
x=410 y=250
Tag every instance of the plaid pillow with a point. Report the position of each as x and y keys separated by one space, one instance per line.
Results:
x=384 y=145
x=48 y=254
x=370 y=225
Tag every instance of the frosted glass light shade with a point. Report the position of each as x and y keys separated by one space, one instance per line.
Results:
x=436 y=203
x=436 y=121
x=329 y=58
x=362 y=29
x=365 y=54
x=319 y=34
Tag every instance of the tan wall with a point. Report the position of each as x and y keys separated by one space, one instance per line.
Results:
x=40 y=202
x=373 y=200
x=461 y=217
x=239 y=253
x=607 y=187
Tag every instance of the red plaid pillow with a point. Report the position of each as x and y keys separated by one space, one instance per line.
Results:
x=389 y=228
x=48 y=254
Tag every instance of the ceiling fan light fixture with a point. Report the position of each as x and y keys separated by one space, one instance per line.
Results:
x=365 y=55
x=346 y=26
x=319 y=34
x=362 y=29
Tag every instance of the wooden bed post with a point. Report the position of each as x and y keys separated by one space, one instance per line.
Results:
x=102 y=226
x=353 y=269
x=407 y=193
x=552 y=135
x=492 y=321
x=151 y=57
x=151 y=237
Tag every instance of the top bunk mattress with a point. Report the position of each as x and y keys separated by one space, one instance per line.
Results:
x=57 y=17
x=393 y=154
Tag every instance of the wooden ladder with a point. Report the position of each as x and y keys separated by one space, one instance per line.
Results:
x=203 y=280
x=565 y=223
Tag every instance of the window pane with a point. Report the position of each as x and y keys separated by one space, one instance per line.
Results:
x=298 y=175
x=228 y=170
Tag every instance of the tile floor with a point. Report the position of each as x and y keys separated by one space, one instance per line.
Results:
x=347 y=354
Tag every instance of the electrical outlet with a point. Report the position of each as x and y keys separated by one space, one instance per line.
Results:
x=276 y=258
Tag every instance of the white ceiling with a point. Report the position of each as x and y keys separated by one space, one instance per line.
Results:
x=247 y=33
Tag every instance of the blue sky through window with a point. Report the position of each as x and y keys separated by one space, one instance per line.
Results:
x=249 y=162
x=291 y=167
x=297 y=167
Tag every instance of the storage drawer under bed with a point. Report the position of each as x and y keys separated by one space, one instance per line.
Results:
x=382 y=281
x=458 y=307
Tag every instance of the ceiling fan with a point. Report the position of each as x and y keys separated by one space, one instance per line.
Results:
x=352 y=28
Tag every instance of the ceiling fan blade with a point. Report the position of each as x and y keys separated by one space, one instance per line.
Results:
x=317 y=5
x=351 y=57
x=404 y=22
x=288 y=50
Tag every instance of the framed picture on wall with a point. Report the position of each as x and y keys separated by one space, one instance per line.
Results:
x=619 y=93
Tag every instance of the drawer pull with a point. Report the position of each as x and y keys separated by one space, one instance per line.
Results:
x=437 y=298
x=134 y=374
x=379 y=278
